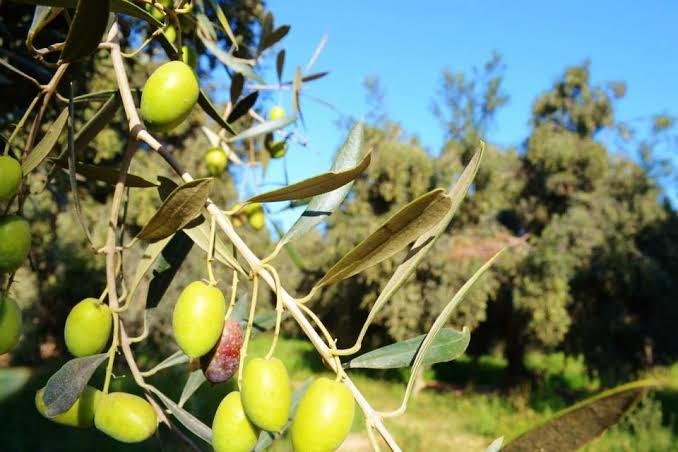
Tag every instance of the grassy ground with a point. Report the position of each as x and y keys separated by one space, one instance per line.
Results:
x=451 y=414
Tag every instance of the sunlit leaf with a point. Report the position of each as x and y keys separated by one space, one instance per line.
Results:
x=229 y=60
x=263 y=128
x=42 y=149
x=224 y=23
x=65 y=386
x=322 y=206
x=573 y=427
x=403 y=228
x=193 y=383
x=174 y=359
x=316 y=185
x=183 y=205
x=87 y=28
x=495 y=446
x=449 y=344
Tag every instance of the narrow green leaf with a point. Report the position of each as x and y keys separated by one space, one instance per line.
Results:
x=263 y=128
x=280 y=64
x=189 y=421
x=209 y=108
x=224 y=23
x=172 y=360
x=242 y=107
x=42 y=149
x=12 y=380
x=270 y=39
x=237 y=84
x=573 y=427
x=42 y=16
x=425 y=242
x=151 y=253
x=193 y=383
x=322 y=206
x=292 y=252
x=316 y=185
x=403 y=228
x=183 y=205
x=229 y=60
x=167 y=266
x=110 y=176
x=449 y=344
x=99 y=121
x=87 y=28
x=65 y=386
x=265 y=321
x=200 y=234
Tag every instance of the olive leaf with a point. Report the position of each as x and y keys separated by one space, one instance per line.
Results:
x=167 y=266
x=316 y=185
x=224 y=23
x=172 y=360
x=280 y=64
x=237 y=84
x=110 y=176
x=209 y=108
x=229 y=60
x=87 y=28
x=269 y=39
x=12 y=380
x=424 y=243
x=181 y=206
x=321 y=206
x=151 y=253
x=573 y=427
x=263 y=128
x=189 y=421
x=42 y=16
x=495 y=446
x=403 y=228
x=267 y=438
x=318 y=50
x=42 y=149
x=193 y=383
x=265 y=321
x=65 y=386
x=292 y=252
x=200 y=234
x=242 y=107
x=449 y=344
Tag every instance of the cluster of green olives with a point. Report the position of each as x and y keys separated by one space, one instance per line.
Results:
x=325 y=412
x=275 y=148
x=252 y=213
x=15 y=243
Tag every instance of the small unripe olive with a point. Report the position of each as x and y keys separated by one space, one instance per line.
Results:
x=216 y=161
x=232 y=431
x=255 y=215
x=276 y=148
x=88 y=327
x=189 y=56
x=198 y=318
x=277 y=112
x=10 y=324
x=155 y=12
x=221 y=363
x=169 y=96
x=15 y=242
x=324 y=417
x=10 y=177
x=266 y=394
x=80 y=414
x=125 y=417
x=170 y=33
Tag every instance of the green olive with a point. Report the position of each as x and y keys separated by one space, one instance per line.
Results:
x=255 y=215
x=275 y=148
x=198 y=318
x=277 y=112
x=189 y=56
x=231 y=430
x=324 y=417
x=10 y=177
x=170 y=33
x=88 y=327
x=169 y=96
x=155 y=12
x=266 y=394
x=216 y=161
x=10 y=324
x=125 y=417
x=15 y=242
x=80 y=414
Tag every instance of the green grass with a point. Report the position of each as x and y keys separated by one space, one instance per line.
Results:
x=465 y=414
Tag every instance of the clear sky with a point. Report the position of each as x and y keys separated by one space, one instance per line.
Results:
x=408 y=47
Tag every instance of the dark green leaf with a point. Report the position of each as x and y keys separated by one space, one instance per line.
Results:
x=172 y=256
x=280 y=64
x=237 y=84
x=270 y=39
x=572 y=428
x=310 y=78
x=12 y=380
x=65 y=386
x=321 y=206
x=189 y=421
x=182 y=205
x=316 y=185
x=99 y=121
x=193 y=383
x=209 y=108
x=224 y=22
x=243 y=107
x=448 y=345
x=42 y=16
x=110 y=176
x=87 y=28
x=403 y=228
x=42 y=149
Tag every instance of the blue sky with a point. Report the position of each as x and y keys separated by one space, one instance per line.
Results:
x=408 y=48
